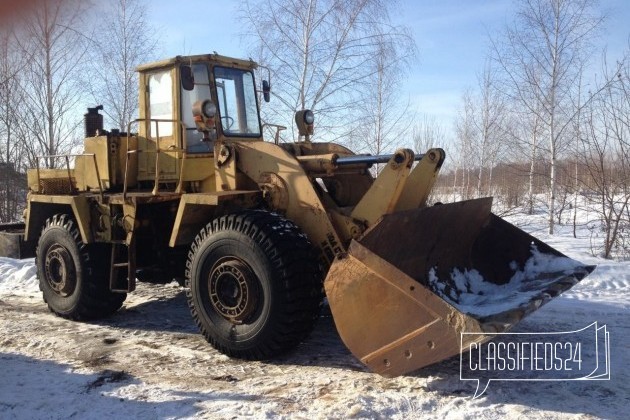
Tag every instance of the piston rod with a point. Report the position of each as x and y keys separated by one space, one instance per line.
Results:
x=369 y=159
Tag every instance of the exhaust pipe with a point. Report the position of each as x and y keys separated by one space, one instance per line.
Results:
x=93 y=121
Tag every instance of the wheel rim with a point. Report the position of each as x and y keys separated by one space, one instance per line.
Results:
x=233 y=289
x=60 y=271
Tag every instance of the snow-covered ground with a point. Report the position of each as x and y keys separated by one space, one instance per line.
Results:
x=148 y=361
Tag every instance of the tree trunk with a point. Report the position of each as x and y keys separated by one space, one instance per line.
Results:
x=575 y=199
x=532 y=169
x=552 y=188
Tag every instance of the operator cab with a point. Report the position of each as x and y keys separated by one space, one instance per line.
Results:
x=215 y=98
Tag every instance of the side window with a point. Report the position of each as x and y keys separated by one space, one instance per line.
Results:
x=161 y=103
x=251 y=106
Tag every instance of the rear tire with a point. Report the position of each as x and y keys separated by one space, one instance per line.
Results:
x=254 y=284
x=73 y=276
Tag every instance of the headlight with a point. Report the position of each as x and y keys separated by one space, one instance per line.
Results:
x=304 y=120
x=209 y=109
x=309 y=117
x=206 y=109
x=203 y=115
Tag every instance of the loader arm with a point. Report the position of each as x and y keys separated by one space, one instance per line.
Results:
x=399 y=187
x=287 y=183
x=396 y=295
x=288 y=189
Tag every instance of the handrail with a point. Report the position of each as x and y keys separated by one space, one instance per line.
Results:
x=67 y=158
x=157 y=151
x=278 y=128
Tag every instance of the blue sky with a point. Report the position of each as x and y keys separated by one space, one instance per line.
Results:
x=451 y=35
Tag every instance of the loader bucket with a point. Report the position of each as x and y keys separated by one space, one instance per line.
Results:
x=12 y=243
x=405 y=291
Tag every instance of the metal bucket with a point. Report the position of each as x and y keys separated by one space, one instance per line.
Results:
x=12 y=243
x=408 y=288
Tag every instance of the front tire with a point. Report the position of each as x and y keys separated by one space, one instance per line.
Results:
x=73 y=276
x=254 y=284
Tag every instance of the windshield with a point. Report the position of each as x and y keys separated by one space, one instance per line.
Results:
x=236 y=94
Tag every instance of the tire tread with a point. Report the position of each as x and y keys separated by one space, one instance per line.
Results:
x=96 y=300
x=294 y=260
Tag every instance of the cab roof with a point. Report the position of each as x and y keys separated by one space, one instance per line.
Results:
x=188 y=59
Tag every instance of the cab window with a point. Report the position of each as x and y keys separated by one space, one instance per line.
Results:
x=238 y=108
x=161 y=103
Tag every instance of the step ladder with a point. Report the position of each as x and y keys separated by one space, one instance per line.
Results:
x=123 y=281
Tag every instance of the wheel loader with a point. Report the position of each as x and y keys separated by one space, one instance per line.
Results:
x=261 y=232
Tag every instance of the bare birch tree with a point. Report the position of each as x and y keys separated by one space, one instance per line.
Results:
x=541 y=55
x=489 y=115
x=124 y=41
x=10 y=63
x=427 y=133
x=606 y=154
x=320 y=54
x=384 y=117
x=480 y=129
x=466 y=132
x=12 y=180
x=50 y=35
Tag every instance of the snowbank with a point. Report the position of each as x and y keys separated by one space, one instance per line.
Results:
x=18 y=276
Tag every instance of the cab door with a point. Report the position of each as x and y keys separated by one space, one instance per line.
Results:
x=159 y=128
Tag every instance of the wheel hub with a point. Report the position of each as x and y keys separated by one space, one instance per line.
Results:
x=60 y=272
x=233 y=290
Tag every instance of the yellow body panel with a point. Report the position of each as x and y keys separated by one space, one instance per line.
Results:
x=51 y=181
x=197 y=209
x=103 y=163
x=303 y=205
x=78 y=204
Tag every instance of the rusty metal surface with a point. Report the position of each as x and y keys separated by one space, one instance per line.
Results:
x=383 y=294
x=465 y=235
x=57 y=186
x=389 y=321
x=416 y=240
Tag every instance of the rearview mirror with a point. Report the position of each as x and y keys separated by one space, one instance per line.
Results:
x=188 y=80
x=266 y=89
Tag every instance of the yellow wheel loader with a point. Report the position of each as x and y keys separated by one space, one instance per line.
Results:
x=260 y=231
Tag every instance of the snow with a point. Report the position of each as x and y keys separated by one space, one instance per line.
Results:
x=149 y=361
x=18 y=276
x=470 y=293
